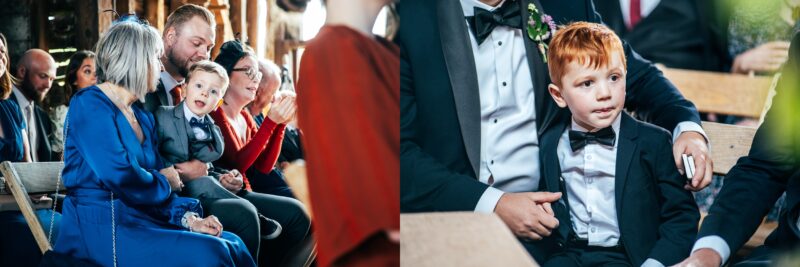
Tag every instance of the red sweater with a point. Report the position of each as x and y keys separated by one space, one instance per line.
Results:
x=349 y=109
x=260 y=151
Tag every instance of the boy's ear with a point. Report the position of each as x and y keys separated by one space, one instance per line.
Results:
x=555 y=92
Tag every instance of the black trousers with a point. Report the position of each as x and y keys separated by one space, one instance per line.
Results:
x=239 y=215
x=583 y=255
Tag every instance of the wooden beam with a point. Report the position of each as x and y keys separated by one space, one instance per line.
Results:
x=251 y=22
x=238 y=18
x=155 y=13
x=126 y=7
x=728 y=144
x=220 y=8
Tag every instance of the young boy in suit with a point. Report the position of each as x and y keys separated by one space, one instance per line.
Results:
x=187 y=132
x=623 y=199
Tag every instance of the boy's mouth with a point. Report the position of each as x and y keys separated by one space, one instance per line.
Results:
x=199 y=104
x=603 y=110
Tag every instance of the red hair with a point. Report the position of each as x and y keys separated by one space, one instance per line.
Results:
x=590 y=44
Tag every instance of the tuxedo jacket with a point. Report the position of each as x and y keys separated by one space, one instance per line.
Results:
x=770 y=169
x=440 y=106
x=657 y=217
x=686 y=34
x=44 y=128
x=174 y=140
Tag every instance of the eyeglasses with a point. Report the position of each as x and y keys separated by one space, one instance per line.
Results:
x=251 y=73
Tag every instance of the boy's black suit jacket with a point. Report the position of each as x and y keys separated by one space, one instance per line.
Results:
x=657 y=217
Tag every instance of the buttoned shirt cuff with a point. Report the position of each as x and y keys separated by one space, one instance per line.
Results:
x=185 y=219
x=689 y=126
x=716 y=243
x=488 y=200
x=650 y=262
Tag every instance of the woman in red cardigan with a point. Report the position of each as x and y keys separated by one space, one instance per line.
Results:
x=248 y=148
x=254 y=152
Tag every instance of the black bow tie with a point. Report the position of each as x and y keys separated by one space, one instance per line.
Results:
x=195 y=123
x=484 y=21
x=578 y=140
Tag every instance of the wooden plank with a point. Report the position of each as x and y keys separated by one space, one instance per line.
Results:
x=238 y=19
x=297 y=179
x=126 y=7
x=21 y=196
x=40 y=177
x=728 y=144
x=251 y=23
x=459 y=239
x=220 y=8
x=723 y=93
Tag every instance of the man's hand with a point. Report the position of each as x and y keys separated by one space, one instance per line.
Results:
x=704 y=257
x=693 y=143
x=232 y=181
x=528 y=215
x=192 y=169
x=172 y=177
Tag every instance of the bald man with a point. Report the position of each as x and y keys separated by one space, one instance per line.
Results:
x=269 y=84
x=36 y=71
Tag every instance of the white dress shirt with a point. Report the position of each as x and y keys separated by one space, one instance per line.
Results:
x=645 y=7
x=28 y=109
x=169 y=84
x=589 y=175
x=199 y=134
x=509 y=142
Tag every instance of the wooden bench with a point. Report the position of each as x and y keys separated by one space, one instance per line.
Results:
x=724 y=93
x=459 y=239
x=22 y=179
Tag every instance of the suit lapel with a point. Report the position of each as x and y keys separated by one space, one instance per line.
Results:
x=551 y=167
x=182 y=129
x=537 y=67
x=162 y=94
x=460 y=64
x=43 y=147
x=625 y=151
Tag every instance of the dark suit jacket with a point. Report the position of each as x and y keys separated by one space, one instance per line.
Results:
x=174 y=140
x=44 y=128
x=771 y=168
x=439 y=104
x=156 y=99
x=687 y=34
x=657 y=218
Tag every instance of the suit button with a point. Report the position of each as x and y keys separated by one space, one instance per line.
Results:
x=499 y=43
x=561 y=245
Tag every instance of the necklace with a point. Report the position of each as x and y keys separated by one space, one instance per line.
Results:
x=118 y=100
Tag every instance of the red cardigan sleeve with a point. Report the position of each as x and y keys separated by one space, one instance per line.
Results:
x=241 y=157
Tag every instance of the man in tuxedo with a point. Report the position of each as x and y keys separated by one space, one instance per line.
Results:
x=686 y=34
x=756 y=181
x=36 y=71
x=474 y=101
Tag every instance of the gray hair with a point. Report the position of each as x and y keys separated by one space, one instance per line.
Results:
x=128 y=56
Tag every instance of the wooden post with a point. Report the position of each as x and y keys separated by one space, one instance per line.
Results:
x=92 y=22
x=154 y=12
x=252 y=24
x=126 y=7
x=220 y=8
x=40 y=22
x=238 y=18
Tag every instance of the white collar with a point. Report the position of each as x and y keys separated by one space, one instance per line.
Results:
x=22 y=100
x=168 y=82
x=468 y=6
x=189 y=114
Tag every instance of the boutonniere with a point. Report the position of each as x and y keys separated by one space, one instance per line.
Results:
x=540 y=28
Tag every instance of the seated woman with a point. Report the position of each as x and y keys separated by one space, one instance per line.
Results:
x=254 y=153
x=252 y=150
x=80 y=74
x=120 y=206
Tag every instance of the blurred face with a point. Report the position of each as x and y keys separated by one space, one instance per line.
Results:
x=204 y=92
x=595 y=96
x=244 y=80
x=270 y=82
x=187 y=45
x=38 y=78
x=86 y=75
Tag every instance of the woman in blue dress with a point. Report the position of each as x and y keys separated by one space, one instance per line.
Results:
x=121 y=207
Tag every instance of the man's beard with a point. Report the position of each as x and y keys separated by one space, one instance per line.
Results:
x=181 y=65
x=30 y=92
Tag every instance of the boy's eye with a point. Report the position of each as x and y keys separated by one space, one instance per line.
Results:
x=614 y=77
x=586 y=83
x=198 y=85
x=214 y=91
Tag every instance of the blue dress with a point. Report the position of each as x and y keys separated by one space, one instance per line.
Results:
x=103 y=156
x=12 y=121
